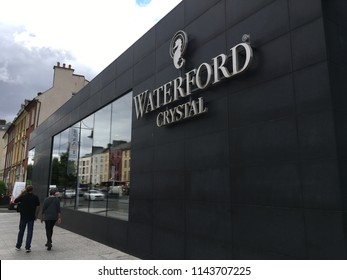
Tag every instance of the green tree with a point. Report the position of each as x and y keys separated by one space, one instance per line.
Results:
x=2 y=187
x=29 y=174
x=64 y=172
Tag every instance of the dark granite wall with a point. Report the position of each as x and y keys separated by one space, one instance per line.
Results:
x=334 y=13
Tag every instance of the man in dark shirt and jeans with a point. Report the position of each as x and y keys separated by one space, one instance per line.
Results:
x=29 y=205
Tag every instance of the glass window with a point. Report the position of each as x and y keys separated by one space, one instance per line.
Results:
x=29 y=174
x=64 y=162
x=86 y=148
x=91 y=161
x=119 y=184
x=32 y=119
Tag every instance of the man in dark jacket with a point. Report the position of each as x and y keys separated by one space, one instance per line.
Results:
x=29 y=205
x=51 y=215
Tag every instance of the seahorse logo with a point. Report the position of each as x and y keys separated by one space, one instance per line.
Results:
x=178 y=47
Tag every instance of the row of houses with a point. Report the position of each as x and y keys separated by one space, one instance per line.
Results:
x=103 y=164
x=15 y=136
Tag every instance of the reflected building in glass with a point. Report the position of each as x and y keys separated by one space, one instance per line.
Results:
x=88 y=156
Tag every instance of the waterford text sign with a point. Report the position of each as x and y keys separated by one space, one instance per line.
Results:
x=221 y=67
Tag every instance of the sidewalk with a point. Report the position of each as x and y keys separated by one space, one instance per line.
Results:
x=66 y=245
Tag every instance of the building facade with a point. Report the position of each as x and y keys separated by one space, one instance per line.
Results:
x=16 y=151
x=237 y=135
x=3 y=144
x=65 y=85
x=31 y=114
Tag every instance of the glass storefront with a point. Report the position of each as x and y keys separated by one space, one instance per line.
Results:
x=91 y=161
x=29 y=174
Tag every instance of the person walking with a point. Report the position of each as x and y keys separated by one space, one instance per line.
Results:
x=51 y=215
x=29 y=205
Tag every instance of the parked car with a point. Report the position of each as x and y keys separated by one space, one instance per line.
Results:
x=82 y=191
x=69 y=193
x=94 y=195
x=115 y=190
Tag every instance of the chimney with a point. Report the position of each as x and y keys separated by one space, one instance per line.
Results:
x=58 y=65
x=63 y=65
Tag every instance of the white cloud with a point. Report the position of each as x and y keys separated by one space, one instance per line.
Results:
x=95 y=32
x=4 y=74
x=87 y=34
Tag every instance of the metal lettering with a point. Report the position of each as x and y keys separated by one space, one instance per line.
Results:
x=190 y=80
x=167 y=93
x=160 y=119
x=208 y=73
x=235 y=57
x=221 y=67
x=139 y=101
x=150 y=103
x=178 y=90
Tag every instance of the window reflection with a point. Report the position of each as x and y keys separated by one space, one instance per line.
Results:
x=64 y=162
x=91 y=161
x=120 y=155
x=29 y=174
x=84 y=164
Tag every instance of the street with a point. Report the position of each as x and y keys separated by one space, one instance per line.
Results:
x=112 y=207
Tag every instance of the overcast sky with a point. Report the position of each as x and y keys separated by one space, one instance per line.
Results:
x=88 y=34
